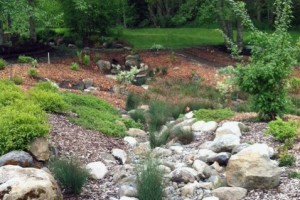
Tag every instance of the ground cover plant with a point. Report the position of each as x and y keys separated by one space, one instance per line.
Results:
x=21 y=119
x=282 y=130
x=96 y=114
x=213 y=115
x=3 y=63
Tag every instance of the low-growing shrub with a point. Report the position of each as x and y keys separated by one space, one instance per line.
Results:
x=49 y=101
x=138 y=115
x=95 y=114
x=74 y=66
x=86 y=60
x=213 y=115
x=294 y=174
x=70 y=174
x=164 y=70
x=25 y=59
x=3 y=63
x=286 y=160
x=32 y=73
x=20 y=123
x=9 y=93
x=150 y=182
x=46 y=86
x=282 y=130
x=132 y=101
x=130 y=123
x=79 y=55
x=294 y=85
x=18 y=80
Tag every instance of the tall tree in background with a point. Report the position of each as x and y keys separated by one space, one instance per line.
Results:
x=32 y=24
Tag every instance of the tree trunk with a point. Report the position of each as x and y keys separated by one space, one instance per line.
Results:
x=226 y=25
x=124 y=14
x=32 y=30
x=1 y=33
x=152 y=15
x=240 y=34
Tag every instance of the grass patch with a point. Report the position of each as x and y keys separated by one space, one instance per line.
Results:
x=213 y=115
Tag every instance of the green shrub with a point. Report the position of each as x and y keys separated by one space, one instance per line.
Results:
x=294 y=85
x=282 y=130
x=46 y=86
x=86 y=60
x=74 y=66
x=129 y=123
x=20 y=123
x=9 y=93
x=70 y=174
x=138 y=115
x=49 y=101
x=79 y=55
x=150 y=182
x=18 y=80
x=213 y=115
x=3 y=63
x=32 y=73
x=184 y=135
x=286 y=160
x=95 y=114
x=25 y=59
x=294 y=174
x=132 y=101
x=164 y=70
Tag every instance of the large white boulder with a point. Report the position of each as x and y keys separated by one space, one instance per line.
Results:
x=97 y=170
x=230 y=193
x=224 y=143
x=229 y=128
x=27 y=183
x=252 y=170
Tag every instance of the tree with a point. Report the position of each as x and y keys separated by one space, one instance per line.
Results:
x=273 y=56
x=89 y=16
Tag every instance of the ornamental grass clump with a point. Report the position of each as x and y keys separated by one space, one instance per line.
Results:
x=70 y=174
x=150 y=181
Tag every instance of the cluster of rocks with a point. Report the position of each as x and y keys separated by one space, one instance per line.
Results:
x=222 y=168
x=112 y=68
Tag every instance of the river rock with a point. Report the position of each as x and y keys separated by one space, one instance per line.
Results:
x=183 y=174
x=20 y=158
x=135 y=132
x=120 y=155
x=229 y=128
x=97 y=170
x=40 y=149
x=230 y=193
x=224 y=143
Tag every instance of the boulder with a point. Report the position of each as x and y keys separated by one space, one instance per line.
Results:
x=27 y=183
x=197 y=126
x=183 y=174
x=224 y=143
x=177 y=149
x=128 y=191
x=142 y=148
x=20 y=158
x=199 y=166
x=120 y=155
x=229 y=128
x=87 y=83
x=104 y=66
x=239 y=148
x=217 y=181
x=222 y=158
x=40 y=149
x=261 y=149
x=252 y=170
x=230 y=193
x=130 y=140
x=159 y=151
x=135 y=132
x=97 y=170
x=210 y=126
x=189 y=189
x=204 y=154
x=189 y=115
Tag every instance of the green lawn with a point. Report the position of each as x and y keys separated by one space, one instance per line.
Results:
x=176 y=38
x=172 y=37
